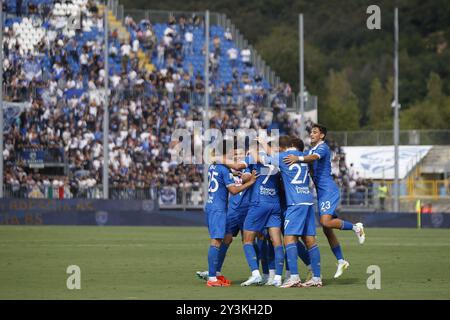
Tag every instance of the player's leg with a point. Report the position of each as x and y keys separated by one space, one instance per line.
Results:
x=304 y=256
x=290 y=243
x=250 y=256
x=314 y=253
x=309 y=236
x=277 y=242
x=259 y=247
x=293 y=225
x=222 y=254
x=328 y=218
x=217 y=228
x=254 y=223
x=232 y=228
x=270 y=260
x=221 y=258
x=286 y=264
x=273 y=226
x=342 y=264
x=233 y=225
x=262 y=247
x=213 y=260
x=287 y=274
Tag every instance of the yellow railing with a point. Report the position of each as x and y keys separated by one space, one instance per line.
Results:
x=413 y=188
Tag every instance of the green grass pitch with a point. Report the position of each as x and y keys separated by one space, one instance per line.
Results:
x=160 y=263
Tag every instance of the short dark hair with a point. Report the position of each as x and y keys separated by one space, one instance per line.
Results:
x=297 y=143
x=321 y=128
x=284 y=142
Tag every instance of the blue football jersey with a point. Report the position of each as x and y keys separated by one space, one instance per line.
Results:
x=266 y=187
x=321 y=170
x=219 y=178
x=295 y=179
x=241 y=199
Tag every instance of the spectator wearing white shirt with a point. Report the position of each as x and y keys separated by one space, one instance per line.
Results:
x=84 y=60
x=232 y=56
x=188 y=42
x=228 y=36
x=246 y=55
x=125 y=51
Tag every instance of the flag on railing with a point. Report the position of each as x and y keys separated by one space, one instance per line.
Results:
x=168 y=196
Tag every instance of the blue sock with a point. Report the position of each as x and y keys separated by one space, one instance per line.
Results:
x=346 y=225
x=286 y=262
x=279 y=260
x=222 y=253
x=338 y=252
x=271 y=256
x=264 y=260
x=303 y=253
x=292 y=255
x=213 y=259
x=250 y=255
x=314 y=254
x=257 y=251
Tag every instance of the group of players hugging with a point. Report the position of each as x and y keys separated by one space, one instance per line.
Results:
x=265 y=195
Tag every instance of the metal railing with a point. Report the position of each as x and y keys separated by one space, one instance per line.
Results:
x=191 y=197
x=266 y=100
x=67 y=192
x=385 y=137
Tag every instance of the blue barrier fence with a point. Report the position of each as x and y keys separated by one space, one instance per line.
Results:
x=147 y=213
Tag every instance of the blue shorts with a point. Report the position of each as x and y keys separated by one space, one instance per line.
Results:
x=329 y=203
x=300 y=221
x=263 y=215
x=216 y=221
x=235 y=220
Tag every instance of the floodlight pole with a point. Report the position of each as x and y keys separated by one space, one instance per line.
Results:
x=302 y=79
x=396 y=119
x=105 y=180
x=1 y=100
x=206 y=109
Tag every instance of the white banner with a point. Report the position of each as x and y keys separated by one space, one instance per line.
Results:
x=378 y=162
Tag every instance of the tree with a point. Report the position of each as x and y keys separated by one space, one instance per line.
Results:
x=380 y=110
x=341 y=110
x=431 y=113
x=285 y=58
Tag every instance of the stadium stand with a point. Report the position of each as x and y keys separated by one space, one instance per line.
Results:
x=55 y=76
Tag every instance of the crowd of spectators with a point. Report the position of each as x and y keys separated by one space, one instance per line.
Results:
x=61 y=79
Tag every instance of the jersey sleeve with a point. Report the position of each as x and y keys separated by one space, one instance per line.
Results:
x=247 y=170
x=248 y=160
x=227 y=177
x=322 y=151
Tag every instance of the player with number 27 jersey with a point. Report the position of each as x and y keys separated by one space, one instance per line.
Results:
x=299 y=216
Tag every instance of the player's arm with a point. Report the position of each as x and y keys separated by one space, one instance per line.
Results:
x=234 y=189
x=291 y=159
x=246 y=176
x=264 y=145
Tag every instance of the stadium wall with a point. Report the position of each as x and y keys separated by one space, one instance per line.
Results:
x=147 y=213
